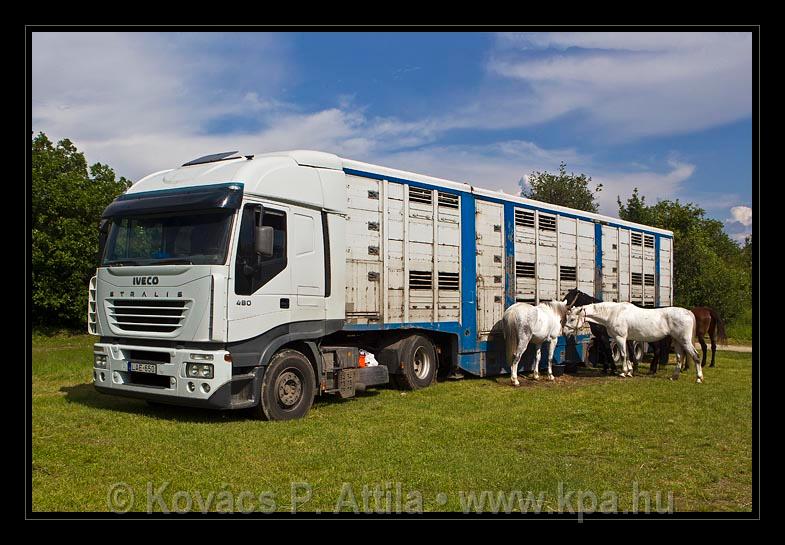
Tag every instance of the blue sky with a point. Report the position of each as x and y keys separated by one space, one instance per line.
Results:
x=667 y=113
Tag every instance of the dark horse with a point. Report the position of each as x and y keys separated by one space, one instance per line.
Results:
x=707 y=320
x=600 y=334
x=603 y=342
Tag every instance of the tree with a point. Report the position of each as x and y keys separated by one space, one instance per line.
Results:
x=709 y=268
x=67 y=201
x=562 y=189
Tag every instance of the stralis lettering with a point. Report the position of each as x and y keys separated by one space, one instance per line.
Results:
x=145 y=294
x=145 y=280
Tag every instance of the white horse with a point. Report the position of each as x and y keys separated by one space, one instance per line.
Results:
x=523 y=323
x=626 y=321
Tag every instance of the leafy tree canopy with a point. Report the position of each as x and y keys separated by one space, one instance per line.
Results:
x=67 y=201
x=710 y=269
x=563 y=189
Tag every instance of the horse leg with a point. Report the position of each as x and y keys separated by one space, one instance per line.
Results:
x=551 y=350
x=536 y=366
x=677 y=369
x=633 y=358
x=702 y=342
x=516 y=360
x=621 y=344
x=713 y=339
x=690 y=351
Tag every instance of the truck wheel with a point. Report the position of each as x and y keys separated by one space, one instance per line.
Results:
x=639 y=350
x=287 y=387
x=419 y=363
x=615 y=353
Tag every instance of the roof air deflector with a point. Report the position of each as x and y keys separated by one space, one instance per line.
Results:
x=212 y=158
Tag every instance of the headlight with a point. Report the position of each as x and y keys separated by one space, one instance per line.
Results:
x=199 y=370
x=100 y=361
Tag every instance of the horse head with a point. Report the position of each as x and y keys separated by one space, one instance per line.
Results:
x=575 y=320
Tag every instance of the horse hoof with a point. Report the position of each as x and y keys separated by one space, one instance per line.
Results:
x=699 y=380
x=536 y=377
x=515 y=383
x=622 y=375
x=629 y=374
x=550 y=377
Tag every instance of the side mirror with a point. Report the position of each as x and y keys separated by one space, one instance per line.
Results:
x=103 y=232
x=263 y=240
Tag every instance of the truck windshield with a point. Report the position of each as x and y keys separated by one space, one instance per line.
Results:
x=198 y=238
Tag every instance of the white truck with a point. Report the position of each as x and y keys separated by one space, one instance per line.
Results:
x=256 y=281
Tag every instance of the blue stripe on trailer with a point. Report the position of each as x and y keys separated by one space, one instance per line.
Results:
x=598 y=261
x=509 y=254
x=443 y=327
x=468 y=336
x=657 y=270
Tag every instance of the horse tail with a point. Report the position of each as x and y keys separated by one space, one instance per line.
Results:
x=509 y=321
x=720 y=331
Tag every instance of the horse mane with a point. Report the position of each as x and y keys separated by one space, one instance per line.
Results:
x=559 y=308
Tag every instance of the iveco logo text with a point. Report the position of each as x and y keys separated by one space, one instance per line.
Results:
x=145 y=280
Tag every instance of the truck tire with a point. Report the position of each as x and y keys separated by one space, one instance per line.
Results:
x=288 y=387
x=418 y=357
x=633 y=347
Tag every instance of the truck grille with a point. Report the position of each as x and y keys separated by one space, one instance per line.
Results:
x=158 y=315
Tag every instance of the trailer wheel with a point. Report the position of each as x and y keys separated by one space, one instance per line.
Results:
x=418 y=358
x=287 y=387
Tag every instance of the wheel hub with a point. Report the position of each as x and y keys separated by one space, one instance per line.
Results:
x=422 y=363
x=290 y=388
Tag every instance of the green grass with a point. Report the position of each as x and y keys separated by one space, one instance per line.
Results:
x=740 y=330
x=588 y=432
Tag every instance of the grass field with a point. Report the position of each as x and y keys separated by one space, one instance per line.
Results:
x=582 y=434
x=740 y=330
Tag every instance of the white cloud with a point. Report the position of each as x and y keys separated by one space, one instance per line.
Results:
x=741 y=214
x=739 y=237
x=144 y=102
x=629 y=85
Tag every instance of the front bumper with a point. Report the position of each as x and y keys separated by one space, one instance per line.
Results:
x=170 y=384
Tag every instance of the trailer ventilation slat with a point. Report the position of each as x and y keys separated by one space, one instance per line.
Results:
x=547 y=223
x=648 y=279
x=420 y=280
x=648 y=241
x=524 y=218
x=447 y=200
x=420 y=195
x=449 y=281
x=568 y=273
x=524 y=269
x=143 y=315
x=637 y=279
x=636 y=239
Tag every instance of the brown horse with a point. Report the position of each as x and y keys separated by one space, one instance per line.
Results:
x=707 y=320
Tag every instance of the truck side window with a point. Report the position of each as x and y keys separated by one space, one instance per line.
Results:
x=253 y=271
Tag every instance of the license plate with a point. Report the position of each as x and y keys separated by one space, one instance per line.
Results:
x=143 y=367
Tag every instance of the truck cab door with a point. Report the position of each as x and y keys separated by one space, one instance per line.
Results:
x=308 y=265
x=261 y=292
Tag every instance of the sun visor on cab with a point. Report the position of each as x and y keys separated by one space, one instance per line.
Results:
x=222 y=196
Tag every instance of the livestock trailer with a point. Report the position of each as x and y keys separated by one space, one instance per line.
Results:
x=256 y=281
